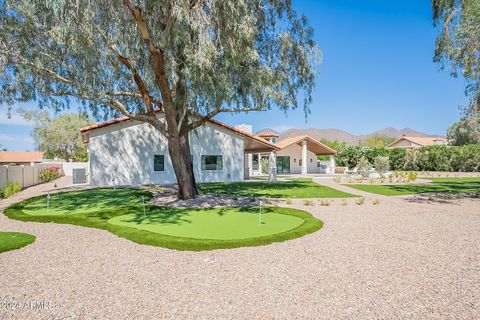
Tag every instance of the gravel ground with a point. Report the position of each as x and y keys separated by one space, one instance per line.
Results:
x=399 y=259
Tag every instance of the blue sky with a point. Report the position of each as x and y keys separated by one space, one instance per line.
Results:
x=377 y=71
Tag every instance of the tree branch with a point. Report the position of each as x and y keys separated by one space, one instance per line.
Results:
x=202 y=119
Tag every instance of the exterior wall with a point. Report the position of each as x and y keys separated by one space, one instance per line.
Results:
x=295 y=152
x=405 y=144
x=124 y=151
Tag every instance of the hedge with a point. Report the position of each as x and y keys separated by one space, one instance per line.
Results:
x=432 y=158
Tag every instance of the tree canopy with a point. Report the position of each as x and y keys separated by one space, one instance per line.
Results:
x=59 y=137
x=222 y=55
x=187 y=60
x=458 y=47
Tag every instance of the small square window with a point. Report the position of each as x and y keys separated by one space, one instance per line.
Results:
x=159 y=162
x=212 y=162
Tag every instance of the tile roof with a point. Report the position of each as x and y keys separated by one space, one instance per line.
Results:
x=84 y=130
x=313 y=145
x=20 y=157
x=268 y=134
x=422 y=141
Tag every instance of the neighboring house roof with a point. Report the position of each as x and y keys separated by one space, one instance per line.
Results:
x=268 y=134
x=20 y=157
x=253 y=142
x=312 y=145
x=421 y=141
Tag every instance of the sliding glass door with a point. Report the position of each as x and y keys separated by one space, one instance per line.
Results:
x=283 y=164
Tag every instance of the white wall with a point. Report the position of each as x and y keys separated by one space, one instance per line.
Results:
x=125 y=151
x=295 y=152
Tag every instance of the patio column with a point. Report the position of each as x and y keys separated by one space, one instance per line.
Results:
x=304 y=157
x=332 y=164
x=272 y=161
x=250 y=164
x=259 y=164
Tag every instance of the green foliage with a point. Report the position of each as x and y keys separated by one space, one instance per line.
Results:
x=59 y=137
x=382 y=165
x=457 y=46
x=349 y=156
x=49 y=174
x=466 y=131
x=432 y=158
x=364 y=167
x=213 y=54
x=95 y=207
x=377 y=141
x=11 y=188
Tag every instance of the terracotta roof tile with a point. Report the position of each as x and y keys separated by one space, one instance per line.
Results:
x=422 y=141
x=20 y=157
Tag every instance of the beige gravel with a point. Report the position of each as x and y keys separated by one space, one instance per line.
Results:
x=400 y=259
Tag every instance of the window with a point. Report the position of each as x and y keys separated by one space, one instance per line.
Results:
x=159 y=162
x=212 y=162
x=300 y=162
x=255 y=162
x=311 y=160
x=273 y=140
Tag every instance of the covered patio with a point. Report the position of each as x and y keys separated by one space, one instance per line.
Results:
x=295 y=155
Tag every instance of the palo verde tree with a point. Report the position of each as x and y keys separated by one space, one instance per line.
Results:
x=458 y=46
x=171 y=63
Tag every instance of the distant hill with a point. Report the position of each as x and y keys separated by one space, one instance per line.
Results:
x=344 y=136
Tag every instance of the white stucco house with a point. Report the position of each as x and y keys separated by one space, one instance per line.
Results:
x=295 y=155
x=128 y=152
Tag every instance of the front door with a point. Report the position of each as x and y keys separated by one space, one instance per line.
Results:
x=283 y=164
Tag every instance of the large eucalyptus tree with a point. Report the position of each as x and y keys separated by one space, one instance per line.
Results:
x=458 y=46
x=186 y=60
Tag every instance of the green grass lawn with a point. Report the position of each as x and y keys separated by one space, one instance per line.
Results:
x=467 y=180
x=408 y=189
x=120 y=211
x=14 y=240
x=294 y=188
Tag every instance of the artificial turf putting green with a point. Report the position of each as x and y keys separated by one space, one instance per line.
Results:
x=14 y=240
x=120 y=211
x=408 y=189
x=215 y=223
x=293 y=188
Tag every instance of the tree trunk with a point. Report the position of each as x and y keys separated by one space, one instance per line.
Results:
x=183 y=171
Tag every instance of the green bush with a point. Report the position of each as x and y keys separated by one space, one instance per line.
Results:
x=382 y=165
x=11 y=188
x=364 y=167
x=49 y=174
x=432 y=158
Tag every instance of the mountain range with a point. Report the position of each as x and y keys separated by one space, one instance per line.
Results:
x=347 y=137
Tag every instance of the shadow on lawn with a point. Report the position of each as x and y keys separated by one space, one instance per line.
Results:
x=104 y=201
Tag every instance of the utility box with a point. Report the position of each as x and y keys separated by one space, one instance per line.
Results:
x=79 y=176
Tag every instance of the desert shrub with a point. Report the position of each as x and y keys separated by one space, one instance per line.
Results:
x=364 y=167
x=11 y=188
x=411 y=176
x=382 y=165
x=308 y=203
x=49 y=174
x=360 y=201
